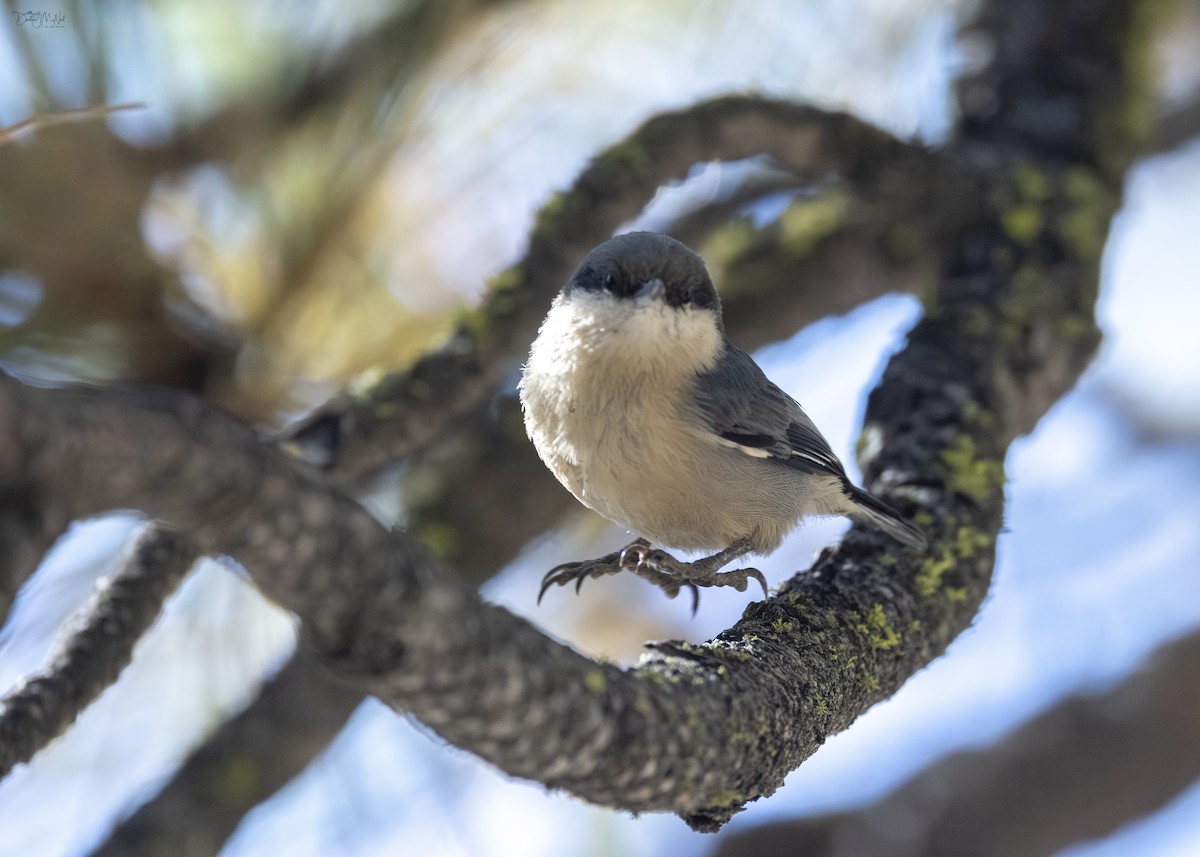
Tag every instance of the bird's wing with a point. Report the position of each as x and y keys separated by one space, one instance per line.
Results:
x=746 y=411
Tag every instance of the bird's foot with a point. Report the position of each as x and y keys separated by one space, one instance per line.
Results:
x=660 y=568
x=611 y=563
x=670 y=574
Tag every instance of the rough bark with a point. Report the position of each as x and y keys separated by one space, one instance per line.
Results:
x=698 y=730
x=1074 y=773
x=93 y=654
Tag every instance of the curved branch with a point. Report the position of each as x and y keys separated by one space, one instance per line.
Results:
x=471 y=520
x=42 y=706
x=1073 y=773
x=353 y=438
x=695 y=729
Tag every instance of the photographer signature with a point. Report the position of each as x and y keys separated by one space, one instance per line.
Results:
x=39 y=20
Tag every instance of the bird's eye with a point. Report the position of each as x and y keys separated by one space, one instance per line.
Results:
x=610 y=281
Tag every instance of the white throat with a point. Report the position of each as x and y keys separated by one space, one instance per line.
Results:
x=623 y=339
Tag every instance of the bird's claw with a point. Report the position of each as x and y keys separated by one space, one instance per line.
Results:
x=563 y=574
x=656 y=566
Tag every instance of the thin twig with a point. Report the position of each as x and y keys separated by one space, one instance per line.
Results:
x=62 y=117
x=91 y=658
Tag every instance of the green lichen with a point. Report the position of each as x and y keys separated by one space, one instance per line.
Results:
x=761 y=729
x=1026 y=303
x=970 y=474
x=725 y=247
x=877 y=629
x=822 y=708
x=1124 y=124
x=742 y=736
x=975 y=414
x=1073 y=327
x=362 y=386
x=442 y=539
x=870 y=683
x=725 y=799
x=1031 y=183
x=478 y=324
x=1023 y=222
x=508 y=280
x=798 y=601
x=595 y=681
x=781 y=626
x=385 y=410
x=764 y=724
x=654 y=676
x=929 y=579
x=563 y=207
x=966 y=544
x=1084 y=227
x=627 y=157
x=740 y=655
x=238 y=780
x=807 y=221
x=969 y=541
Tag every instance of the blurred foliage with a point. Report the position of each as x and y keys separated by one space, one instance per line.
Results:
x=315 y=187
x=288 y=212
x=235 y=237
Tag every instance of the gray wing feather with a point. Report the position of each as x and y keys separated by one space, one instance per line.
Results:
x=746 y=409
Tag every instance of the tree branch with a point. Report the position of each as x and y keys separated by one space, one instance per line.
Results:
x=1076 y=772
x=61 y=117
x=468 y=518
x=695 y=729
x=42 y=706
x=698 y=730
x=1178 y=125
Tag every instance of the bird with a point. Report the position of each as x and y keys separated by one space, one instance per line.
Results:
x=639 y=404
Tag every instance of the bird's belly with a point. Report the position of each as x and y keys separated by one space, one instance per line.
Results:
x=644 y=467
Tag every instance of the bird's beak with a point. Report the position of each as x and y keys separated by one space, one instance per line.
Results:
x=653 y=289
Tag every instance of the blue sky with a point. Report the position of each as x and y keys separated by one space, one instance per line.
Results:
x=1097 y=568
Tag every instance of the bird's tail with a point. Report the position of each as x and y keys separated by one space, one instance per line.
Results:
x=869 y=510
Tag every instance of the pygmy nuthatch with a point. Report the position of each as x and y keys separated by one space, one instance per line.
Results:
x=642 y=408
